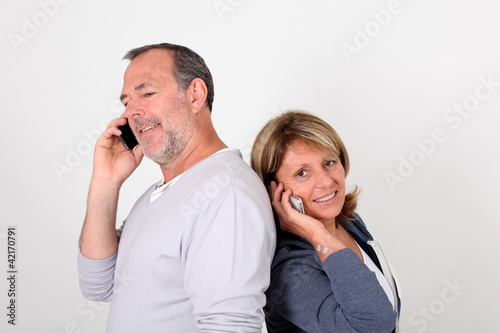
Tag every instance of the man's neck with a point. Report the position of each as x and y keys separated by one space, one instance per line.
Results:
x=197 y=150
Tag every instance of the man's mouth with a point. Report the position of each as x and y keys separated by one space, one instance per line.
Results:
x=148 y=128
x=328 y=197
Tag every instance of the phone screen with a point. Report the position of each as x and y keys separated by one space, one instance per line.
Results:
x=127 y=138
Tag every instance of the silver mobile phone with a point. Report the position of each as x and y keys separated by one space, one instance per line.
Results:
x=296 y=203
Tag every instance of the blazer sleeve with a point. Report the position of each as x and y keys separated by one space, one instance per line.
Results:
x=342 y=295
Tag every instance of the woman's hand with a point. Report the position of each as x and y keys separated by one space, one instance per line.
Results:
x=290 y=219
x=301 y=224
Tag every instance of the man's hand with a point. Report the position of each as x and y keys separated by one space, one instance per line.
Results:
x=112 y=161
x=113 y=164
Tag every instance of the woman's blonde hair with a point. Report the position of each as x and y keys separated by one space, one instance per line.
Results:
x=272 y=141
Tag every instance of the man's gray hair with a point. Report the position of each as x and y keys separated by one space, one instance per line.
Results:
x=188 y=65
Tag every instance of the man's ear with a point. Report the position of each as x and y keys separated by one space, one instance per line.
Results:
x=196 y=95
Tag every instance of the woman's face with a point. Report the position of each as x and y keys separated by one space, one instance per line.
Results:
x=318 y=182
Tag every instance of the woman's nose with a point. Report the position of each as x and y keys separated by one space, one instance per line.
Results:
x=323 y=179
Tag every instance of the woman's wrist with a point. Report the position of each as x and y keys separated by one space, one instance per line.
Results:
x=318 y=236
x=325 y=244
x=330 y=247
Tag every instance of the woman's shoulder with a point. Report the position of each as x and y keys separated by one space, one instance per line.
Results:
x=288 y=242
x=357 y=227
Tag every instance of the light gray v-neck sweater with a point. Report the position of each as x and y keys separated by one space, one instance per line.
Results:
x=195 y=259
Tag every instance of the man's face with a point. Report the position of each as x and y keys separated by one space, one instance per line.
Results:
x=158 y=112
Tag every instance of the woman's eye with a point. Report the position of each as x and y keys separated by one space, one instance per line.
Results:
x=301 y=173
x=330 y=163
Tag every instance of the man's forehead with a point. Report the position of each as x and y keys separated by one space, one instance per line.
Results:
x=152 y=68
x=149 y=67
x=152 y=58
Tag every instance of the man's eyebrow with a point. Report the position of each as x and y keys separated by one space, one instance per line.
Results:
x=122 y=97
x=138 y=88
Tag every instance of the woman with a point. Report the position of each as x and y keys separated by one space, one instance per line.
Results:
x=328 y=272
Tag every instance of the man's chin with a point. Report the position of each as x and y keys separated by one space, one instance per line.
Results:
x=161 y=158
x=153 y=155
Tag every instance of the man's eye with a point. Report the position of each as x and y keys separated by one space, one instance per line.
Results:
x=149 y=94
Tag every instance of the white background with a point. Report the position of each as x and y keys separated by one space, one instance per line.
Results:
x=384 y=74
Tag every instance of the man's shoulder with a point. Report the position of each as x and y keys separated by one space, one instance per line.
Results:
x=231 y=158
x=224 y=174
x=225 y=167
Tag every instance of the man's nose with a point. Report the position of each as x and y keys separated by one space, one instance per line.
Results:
x=133 y=109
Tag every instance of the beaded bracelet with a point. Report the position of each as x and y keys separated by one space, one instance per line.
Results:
x=325 y=250
x=319 y=246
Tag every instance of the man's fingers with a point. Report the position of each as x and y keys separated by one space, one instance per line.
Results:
x=117 y=122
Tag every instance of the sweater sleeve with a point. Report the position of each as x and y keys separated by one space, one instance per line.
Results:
x=96 y=277
x=227 y=263
x=342 y=296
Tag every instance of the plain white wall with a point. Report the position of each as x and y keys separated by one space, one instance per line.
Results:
x=412 y=87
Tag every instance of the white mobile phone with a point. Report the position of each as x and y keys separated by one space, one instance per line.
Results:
x=296 y=203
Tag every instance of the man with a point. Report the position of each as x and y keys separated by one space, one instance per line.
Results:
x=195 y=251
